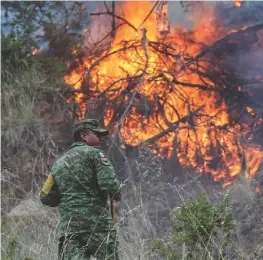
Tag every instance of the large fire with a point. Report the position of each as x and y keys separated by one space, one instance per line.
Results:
x=155 y=89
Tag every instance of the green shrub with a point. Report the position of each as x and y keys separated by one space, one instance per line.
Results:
x=200 y=230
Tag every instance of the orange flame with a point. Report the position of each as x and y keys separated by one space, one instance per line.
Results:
x=237 y=3
x=36 y=51
x=206 y=140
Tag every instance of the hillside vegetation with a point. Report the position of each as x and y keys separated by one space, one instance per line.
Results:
x=187 y=217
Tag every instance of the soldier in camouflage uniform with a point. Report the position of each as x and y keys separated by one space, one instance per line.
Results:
x=80 y=183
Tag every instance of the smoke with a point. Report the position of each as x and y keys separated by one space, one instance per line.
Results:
x=245 y=53
x=186 y=14
x=249 y=13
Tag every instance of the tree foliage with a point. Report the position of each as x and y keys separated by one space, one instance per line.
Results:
x=54 y=26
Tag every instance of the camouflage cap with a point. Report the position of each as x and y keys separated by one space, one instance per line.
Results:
x=91 y=124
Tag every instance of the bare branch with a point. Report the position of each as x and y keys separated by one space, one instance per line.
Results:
x=145 y=19
x=172 y=127
x=116 y=16
x=107 y=8
x=109 y=34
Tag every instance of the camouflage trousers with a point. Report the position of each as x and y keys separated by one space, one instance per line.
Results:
x=82 y=246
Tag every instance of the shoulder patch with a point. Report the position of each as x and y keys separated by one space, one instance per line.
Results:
x=48 y=185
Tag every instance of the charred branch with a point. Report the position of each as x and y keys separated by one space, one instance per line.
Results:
x=113 y=25
x=115 y=16
x=172 y=128
x=112 y=33
x=149 y=14
x=93 y=65
x=144 y=40
x=184 y=84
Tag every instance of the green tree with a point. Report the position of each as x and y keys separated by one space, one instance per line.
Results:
x=56 y=26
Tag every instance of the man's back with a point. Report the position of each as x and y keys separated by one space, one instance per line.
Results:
x=84 y=177
x=79 y=183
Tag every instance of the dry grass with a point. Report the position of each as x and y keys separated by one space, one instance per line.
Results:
x=140 y=219
x=28 y=130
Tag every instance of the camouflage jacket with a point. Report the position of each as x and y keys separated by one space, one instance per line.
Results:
x=82 y=179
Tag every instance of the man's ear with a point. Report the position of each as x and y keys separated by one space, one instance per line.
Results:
x=82 y=135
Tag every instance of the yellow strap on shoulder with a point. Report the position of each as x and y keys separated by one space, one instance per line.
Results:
x=48 y=184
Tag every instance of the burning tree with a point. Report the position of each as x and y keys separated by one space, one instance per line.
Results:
x=172 y=91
